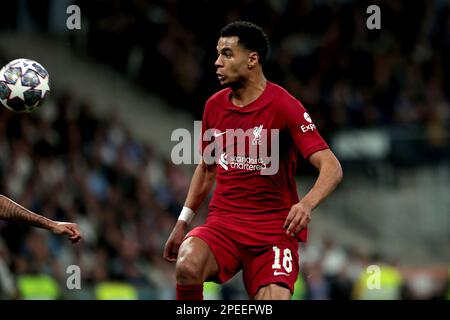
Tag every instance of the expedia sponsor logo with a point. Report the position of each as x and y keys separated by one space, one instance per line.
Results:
x=308 y=127
x=307 y=117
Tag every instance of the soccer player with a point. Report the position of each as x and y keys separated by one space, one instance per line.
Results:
x=255 y=220
x=11 y=211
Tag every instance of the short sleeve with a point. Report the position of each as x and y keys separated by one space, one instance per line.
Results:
x=303 y=130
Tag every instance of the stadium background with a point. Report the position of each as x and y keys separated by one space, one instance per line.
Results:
x=98 y=151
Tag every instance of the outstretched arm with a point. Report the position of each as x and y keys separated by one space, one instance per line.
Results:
x=201 y=184
x=330 y=175
x=11 y=211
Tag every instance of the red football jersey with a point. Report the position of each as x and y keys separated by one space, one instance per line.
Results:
x=256 y=151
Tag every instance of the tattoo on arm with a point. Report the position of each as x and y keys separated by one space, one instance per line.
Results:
x=9 y=210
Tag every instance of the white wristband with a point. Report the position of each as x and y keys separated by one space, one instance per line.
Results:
x=187 y=214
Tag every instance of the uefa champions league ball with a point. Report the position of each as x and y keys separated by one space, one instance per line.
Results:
x=24 y=84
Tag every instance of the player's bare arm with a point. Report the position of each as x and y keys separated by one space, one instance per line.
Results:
x=330 y=175
x=201 y=184
x=9 y=210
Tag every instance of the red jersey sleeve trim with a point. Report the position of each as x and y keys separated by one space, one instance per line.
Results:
x=318 y=147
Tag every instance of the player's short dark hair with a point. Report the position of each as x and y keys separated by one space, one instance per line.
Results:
x=250 y=36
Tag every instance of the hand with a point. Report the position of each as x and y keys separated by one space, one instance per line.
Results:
x=69 y=229
x=174 y=241
x=298 y=218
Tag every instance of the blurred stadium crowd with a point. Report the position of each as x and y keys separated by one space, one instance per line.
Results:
x=70 y=164
x=322 y=52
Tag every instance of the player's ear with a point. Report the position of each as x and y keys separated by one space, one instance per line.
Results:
x=253 y=59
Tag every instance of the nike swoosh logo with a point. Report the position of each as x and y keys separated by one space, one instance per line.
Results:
x=278 y=273
x=218 y=134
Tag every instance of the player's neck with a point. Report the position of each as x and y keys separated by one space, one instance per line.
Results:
x=249 y=91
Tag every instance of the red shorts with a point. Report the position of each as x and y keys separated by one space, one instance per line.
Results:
x=264 y=258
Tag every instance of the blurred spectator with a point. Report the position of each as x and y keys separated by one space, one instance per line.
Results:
x=73 y=165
